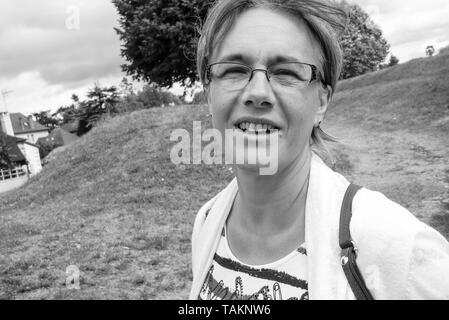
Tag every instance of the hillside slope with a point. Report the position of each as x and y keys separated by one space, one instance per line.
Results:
x=395 y=127
x=114 y=206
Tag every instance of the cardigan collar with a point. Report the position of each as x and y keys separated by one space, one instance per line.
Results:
x=325 y=194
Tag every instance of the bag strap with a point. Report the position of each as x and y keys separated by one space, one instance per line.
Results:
x=349 y=249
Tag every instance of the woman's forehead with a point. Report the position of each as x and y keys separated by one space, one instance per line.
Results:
x=268 y=36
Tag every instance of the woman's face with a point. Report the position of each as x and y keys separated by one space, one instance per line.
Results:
x=259 y=38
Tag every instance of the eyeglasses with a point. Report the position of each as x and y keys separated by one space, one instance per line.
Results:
x=235 y=75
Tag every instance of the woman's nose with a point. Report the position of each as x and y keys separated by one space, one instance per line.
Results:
x=258 y=93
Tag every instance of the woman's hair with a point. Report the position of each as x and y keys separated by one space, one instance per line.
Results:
x=326 y=20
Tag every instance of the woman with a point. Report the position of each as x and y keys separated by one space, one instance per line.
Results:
x=271 y=67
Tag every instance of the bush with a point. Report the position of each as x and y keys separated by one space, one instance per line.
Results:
x=444 y=51
x=152 y=96
x=129 y=103
x=199 y=98
x=5 y=160
x=46 y=147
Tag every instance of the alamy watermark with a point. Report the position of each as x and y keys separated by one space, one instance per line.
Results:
x=73 y=20
x=72 y=280
x=237 y=147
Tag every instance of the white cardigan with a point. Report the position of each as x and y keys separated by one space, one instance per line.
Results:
x=399 y=257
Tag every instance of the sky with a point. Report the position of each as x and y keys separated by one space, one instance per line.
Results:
x=50 y=49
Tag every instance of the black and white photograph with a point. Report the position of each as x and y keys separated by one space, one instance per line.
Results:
x=225 y=150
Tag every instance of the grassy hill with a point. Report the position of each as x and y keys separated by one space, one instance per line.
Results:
x=395 y=124
x=114 y=205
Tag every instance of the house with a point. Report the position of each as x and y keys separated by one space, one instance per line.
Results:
x=17 y=177
x=20 y=132
x=27 y=128
x=14 y=152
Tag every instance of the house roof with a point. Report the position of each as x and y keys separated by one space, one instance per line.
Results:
x=22 y=124
x=13 y=150
x=60 y=137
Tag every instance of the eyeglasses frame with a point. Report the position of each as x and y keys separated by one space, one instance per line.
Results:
x=316 y=73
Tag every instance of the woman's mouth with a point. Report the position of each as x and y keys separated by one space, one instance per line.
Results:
x=256 y=128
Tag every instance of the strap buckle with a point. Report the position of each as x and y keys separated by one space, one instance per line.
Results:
x=355 y=248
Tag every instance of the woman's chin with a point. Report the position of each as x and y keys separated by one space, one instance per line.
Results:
x=249 y=169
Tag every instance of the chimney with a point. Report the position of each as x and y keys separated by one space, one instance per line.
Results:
x=5 y=123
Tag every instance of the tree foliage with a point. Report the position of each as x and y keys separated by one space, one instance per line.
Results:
x=430 y=51
x=5 y=160
x=393 y=61
x=46 y=119
x=444 y=51
x=46 y=147
x=159 y=38
x=100 y=101
x=363 y=44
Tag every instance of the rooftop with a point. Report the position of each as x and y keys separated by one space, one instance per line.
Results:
x=23 y=124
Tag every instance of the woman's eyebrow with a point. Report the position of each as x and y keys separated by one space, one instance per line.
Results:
x=282 y=59
x=239 y=57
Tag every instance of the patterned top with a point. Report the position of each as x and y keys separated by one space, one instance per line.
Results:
x=230 y=279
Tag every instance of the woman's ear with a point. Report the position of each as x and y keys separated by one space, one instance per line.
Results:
x=325 y=96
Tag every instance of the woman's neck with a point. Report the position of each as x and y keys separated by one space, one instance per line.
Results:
x=272 y=204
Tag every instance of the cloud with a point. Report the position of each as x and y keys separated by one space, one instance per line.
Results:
x=51 y=49
x=45 y=36
x=31 y=94
x=411 y=25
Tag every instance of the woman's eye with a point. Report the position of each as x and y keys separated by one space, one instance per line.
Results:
x=236 y=71
x=285 y=74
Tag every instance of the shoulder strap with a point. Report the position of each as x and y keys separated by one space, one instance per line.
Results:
x=349 y=250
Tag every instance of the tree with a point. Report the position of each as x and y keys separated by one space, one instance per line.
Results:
x=129 y=103
x=444 y=51
x=45 y=119
x=152 y=96
x=5 y=160
x=430 y=51
x=46 y=147
x=68 y=114
x=126 y=87
x=393 y=61
x=100 y=101
x=364 y=47
x=159 y=38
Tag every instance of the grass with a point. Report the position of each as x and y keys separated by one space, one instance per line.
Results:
x=114 y=205
x=395 y=123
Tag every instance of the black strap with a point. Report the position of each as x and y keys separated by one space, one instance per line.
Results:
x=349 y=249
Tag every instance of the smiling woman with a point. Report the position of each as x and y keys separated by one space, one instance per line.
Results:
x=270 y=68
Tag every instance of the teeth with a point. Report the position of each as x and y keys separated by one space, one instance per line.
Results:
x=253 y=127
